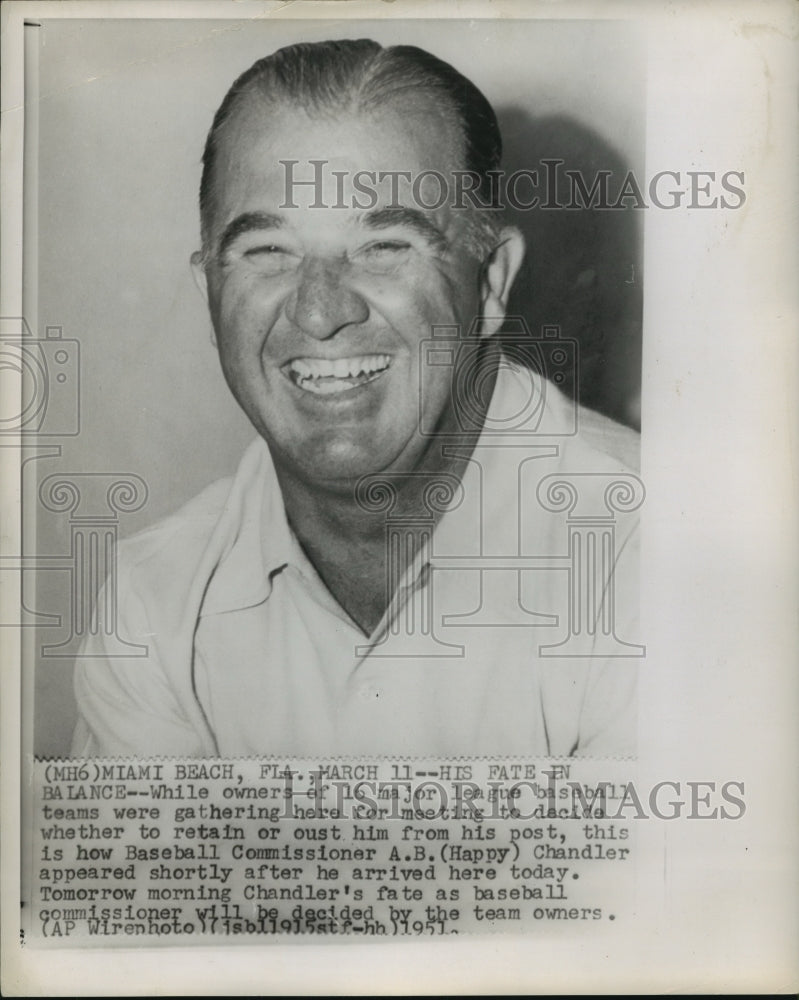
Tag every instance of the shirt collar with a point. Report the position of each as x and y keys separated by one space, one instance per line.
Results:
x=254 y=538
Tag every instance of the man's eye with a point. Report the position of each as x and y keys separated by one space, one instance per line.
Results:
x=384 y=255
x=268 y=249
x=386 y=247
x=270 y=257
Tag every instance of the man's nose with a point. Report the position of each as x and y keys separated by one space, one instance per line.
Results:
x=324 y=302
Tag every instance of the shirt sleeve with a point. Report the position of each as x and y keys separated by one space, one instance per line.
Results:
x=126 y=705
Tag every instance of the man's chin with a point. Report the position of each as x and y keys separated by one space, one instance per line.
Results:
x=339 y=470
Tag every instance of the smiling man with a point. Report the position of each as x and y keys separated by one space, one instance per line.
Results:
x=334 y=597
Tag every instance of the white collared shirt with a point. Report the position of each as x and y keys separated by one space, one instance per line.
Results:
x=248 y=653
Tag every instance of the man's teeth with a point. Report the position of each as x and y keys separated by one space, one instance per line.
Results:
x=326 y=376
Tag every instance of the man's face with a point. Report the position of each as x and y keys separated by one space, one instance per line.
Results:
x=319 y=312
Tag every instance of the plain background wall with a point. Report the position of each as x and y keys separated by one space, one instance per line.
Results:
x=123 y=113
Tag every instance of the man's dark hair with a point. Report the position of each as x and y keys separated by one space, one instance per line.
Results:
x=359 y=75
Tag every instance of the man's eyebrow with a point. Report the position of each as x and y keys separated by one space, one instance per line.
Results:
x=412 y=218
x=246 y=223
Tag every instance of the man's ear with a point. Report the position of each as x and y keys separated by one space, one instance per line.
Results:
x=198 y=273
x=499 y=272
x=201 y=281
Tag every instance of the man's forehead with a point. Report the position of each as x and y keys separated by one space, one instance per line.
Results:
x=420 y=128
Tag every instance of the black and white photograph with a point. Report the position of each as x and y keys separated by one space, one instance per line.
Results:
x=357 y=583
x=400 y=502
